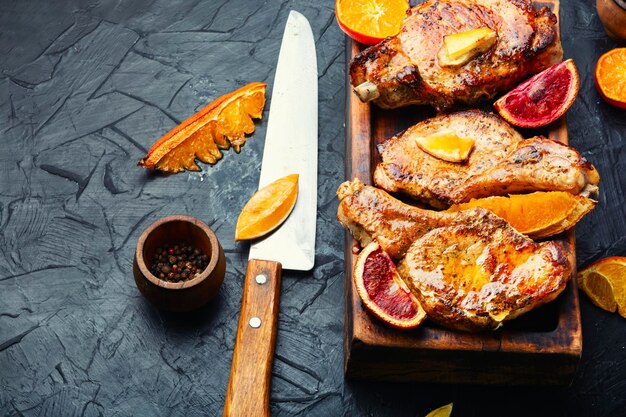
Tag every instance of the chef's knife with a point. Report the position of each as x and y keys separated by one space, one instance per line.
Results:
x=290 y=148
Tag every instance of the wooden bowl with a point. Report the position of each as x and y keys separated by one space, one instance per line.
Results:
x=612 y=14
x=185 y=295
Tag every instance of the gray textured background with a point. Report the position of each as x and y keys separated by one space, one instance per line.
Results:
x=86 y=87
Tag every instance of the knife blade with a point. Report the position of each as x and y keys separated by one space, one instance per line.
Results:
x=290 y=148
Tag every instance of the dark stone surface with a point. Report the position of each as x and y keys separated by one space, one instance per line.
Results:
x=86 y=86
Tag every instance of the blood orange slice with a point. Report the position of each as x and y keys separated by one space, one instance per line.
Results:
x=370 y=21
x=611 y=77
x=541 y=99
x=382 y=290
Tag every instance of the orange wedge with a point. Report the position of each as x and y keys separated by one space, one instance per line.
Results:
x=223 y=123
x=540 y=214
x=444 y=411
x=370 y=21
x=611 y=77
x=268 y=208
x=604 y=282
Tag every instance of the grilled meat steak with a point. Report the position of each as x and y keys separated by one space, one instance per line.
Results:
x=469 y=269
x=502 y=162
x=405 y=69
x=475 y=277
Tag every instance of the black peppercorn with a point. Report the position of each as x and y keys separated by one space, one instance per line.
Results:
x=178 y=262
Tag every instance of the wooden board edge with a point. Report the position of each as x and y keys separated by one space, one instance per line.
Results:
x=455 y=367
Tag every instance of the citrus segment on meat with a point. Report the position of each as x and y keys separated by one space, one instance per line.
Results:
x=460 y=48
x=604 y=281
x=446 y=145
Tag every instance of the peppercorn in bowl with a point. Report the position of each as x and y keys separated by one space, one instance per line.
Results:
x=179 y=264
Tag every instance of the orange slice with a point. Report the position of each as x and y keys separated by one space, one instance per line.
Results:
x=370 y=21
x=611 y=77
x=223 y=123
x=382 y=290
x=540 y=214
x=268 y=208
x=604 y=282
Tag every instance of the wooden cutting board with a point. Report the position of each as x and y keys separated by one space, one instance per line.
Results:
x=542 y=347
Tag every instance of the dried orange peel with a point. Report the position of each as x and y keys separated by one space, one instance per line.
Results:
x=604 y=282
x=538 y=215
x=223 y=123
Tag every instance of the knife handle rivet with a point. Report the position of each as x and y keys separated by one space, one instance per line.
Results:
x=260 y=279
x=255 y=322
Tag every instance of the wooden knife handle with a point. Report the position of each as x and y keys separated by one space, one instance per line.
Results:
x=251 y=370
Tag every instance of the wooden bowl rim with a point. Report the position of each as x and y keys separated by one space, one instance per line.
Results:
x=183 y=284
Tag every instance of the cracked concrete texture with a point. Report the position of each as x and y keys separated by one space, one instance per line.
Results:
x=86 y=87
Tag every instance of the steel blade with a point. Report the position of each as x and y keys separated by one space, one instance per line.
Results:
x=291 y=146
